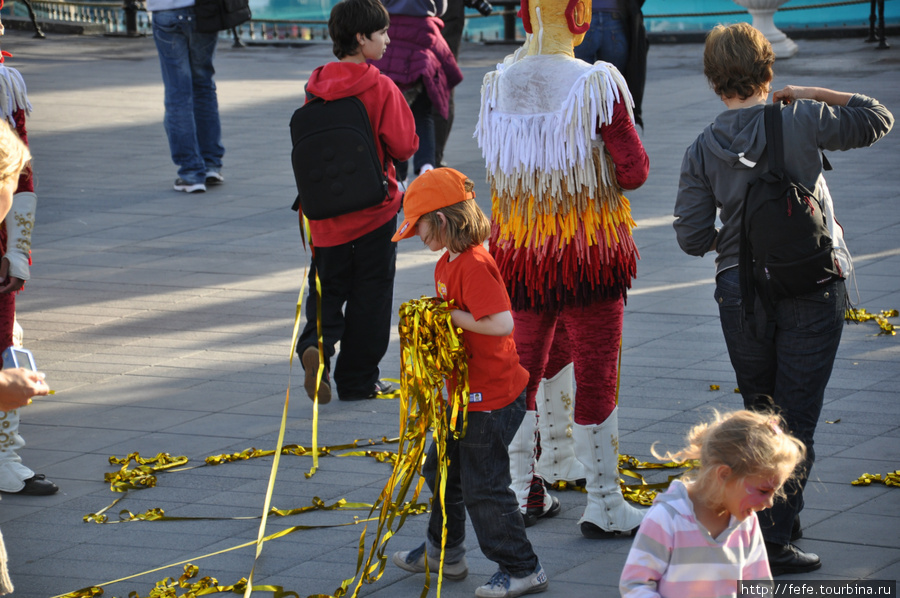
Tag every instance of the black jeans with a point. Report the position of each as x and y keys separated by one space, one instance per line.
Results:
x=478 y=482
x=793 y=369
x=357 y=295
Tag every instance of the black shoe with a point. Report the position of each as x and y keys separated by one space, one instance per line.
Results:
x=535 y=509
x=786 y=559
x=796 y=530
x=38 y=485
x=593 y=532
x=310 y=361
x=381 y=388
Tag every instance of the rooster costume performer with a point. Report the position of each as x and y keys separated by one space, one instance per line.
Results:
x=559 y=143
x=15 y=249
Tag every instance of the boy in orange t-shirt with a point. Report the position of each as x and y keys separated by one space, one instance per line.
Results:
x=440 y=207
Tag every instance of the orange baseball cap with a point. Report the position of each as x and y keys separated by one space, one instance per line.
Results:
x=430 y=191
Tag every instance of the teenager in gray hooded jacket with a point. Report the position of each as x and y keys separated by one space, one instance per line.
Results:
x=794 y=367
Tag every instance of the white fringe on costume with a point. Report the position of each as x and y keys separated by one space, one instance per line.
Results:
x=549 y=155
x=13 y=94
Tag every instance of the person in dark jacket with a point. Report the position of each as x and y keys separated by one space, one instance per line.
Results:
x=792 y=368
x=617 y=35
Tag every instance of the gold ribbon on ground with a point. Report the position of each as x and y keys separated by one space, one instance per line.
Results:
x=142 y=476
x=891 y=478
x=861 y=315
x=642 y=493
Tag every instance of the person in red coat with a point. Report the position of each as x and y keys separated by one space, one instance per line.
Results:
x=353 y=255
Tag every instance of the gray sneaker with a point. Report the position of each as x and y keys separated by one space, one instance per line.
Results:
x=183 y=185
x=414 y=562
x=502 y=585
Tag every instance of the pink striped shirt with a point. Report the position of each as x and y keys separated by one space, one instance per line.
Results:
x=674 y=556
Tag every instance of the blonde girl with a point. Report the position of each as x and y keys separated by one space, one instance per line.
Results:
x=703 y=535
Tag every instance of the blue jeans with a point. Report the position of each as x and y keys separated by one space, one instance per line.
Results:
x=192 y=107
x=478 y=482
x=605 y=40
x=793 y=369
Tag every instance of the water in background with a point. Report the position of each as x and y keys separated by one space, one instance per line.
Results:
x=658 y=15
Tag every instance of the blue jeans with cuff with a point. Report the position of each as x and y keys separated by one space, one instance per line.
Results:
x=192 y=108
x=478 y=481
x=793 y=368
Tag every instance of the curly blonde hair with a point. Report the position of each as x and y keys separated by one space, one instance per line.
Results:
x=737 y=60
x=749 y=443
x=14 y=154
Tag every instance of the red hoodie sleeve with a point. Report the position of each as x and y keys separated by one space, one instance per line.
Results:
x=396 y=126
x=625 y=148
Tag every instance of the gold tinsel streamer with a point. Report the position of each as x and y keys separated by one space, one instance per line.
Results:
x=642 y=493
x=432 y=354
x=890 y=479
x=861 y=315
x=142 y=476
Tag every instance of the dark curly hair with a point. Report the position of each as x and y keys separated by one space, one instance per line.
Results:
x=737 y=60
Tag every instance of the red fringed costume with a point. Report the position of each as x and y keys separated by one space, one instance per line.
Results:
x=559 y=144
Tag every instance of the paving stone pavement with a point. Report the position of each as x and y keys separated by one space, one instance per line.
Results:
x=163 y=322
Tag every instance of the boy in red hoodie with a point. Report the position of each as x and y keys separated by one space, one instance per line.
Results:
x=353 y=254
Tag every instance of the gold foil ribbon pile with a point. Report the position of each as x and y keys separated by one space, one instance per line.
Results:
x=861 y=315
x=642 y=493
x=890 y=479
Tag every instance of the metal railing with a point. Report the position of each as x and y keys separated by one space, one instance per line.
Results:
x=132 y=18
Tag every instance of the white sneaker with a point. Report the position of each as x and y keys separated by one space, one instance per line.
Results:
x=414 y=562
x=502 y=585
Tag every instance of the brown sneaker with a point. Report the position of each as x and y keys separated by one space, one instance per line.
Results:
x=310 y=361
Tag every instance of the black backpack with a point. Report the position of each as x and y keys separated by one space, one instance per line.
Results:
x=336 y=164
x=221 y=15
x=786 y=249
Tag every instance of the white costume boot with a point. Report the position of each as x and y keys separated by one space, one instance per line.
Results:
x=606 y=514
x=19 y=222
x=534 y=501
x=12 y=473
x=521 y=458
x=556 y=407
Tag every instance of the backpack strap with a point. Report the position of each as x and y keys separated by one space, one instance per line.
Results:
x=775 y=148
x=749 y=292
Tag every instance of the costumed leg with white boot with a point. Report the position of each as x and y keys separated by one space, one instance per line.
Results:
x=595 y=347
x=531 y=492
x=555 y=405
x=558 y=139
x=15 y=245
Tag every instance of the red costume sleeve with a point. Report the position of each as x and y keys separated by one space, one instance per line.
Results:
x=626 y=149
x=26 y=183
